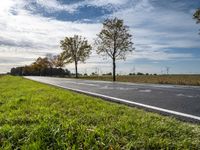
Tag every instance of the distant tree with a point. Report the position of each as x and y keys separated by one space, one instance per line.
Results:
x=131 y=74
x=75 y=49
x=17 y=71
x=114 y=41
x=13 y=71
x=57 y=61
x=107 y=74
x=139 y=73
x=67 y=72
x=43 y=62
x=41 y=67
x=196 y=16
x=27 y=70
x=93 y=74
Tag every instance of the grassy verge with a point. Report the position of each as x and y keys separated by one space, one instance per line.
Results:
x=158 y=79
x=38 y=116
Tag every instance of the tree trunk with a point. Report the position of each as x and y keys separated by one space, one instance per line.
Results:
x=114 y=69
x=76 y=69
x=114 y=57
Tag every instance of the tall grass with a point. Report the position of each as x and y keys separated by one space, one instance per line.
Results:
x=38 y=116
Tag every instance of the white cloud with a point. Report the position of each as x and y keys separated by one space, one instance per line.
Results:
x=159 y=29
x=29 y=36
x=106 y=2
x=55 y=6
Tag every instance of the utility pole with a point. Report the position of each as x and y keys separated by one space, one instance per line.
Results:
x=167 y=69
x=133 y=69
x=97 y=70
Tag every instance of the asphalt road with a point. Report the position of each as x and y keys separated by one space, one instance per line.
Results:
x=180 y=101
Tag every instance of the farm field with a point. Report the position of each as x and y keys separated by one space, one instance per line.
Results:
x=155 y=79
x=39 y=116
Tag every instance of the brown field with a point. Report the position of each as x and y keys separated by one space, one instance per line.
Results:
x=155 y=79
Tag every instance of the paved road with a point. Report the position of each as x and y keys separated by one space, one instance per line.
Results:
x=181 y=101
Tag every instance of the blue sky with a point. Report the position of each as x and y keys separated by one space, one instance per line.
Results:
x=164 y=33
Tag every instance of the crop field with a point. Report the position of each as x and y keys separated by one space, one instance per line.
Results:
x=39 y=116
x=155 y=79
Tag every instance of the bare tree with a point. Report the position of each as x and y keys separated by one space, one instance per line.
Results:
x=75 y=49
x=114 y=41
x=197 y=16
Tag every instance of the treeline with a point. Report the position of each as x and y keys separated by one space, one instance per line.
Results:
x=48 y=66
x=140 y=73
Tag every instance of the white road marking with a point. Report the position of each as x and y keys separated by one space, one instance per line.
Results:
x=180 y=94
x=145 y=91
x=129 y=83
x=82 y=83
x=133 y=103
x=145 y=84
x=117 y=88
x=172 y=112
x=188 y=96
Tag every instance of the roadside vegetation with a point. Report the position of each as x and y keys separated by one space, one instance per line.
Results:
x=38 y=116
x=47 y=66
x=154 y=79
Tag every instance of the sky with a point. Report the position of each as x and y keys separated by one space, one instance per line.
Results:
x=164 y=33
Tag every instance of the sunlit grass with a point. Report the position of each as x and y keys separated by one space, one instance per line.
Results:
x=38 y=116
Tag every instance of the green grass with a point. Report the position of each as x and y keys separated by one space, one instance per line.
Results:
x=158 y=79
x=38 y=116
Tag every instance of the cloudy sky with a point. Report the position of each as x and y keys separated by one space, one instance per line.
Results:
x=164 y=33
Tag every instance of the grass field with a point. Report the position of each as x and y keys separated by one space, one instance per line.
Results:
x=155 y=79
x=38 y=116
